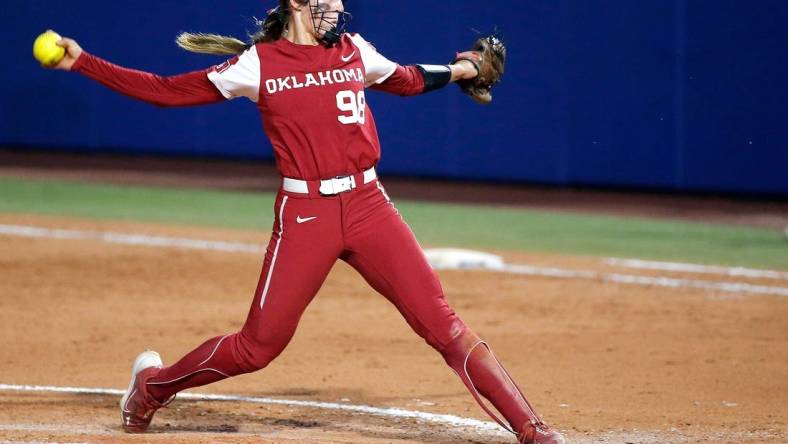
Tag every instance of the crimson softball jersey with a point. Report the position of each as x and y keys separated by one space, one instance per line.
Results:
x=311 y=98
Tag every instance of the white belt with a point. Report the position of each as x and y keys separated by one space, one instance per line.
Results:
x=328 y=187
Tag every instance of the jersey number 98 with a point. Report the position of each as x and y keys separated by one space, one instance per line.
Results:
x=354 y=104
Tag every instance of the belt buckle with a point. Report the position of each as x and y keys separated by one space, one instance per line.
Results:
x=344 y=183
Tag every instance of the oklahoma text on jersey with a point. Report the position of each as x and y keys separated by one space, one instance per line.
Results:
x=336 y=76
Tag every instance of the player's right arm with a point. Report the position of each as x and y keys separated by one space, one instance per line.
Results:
x=235 y=78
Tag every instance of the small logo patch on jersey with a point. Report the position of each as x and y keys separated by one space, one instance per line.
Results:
x=226 y=65
x=301 y=220
x=347 y=59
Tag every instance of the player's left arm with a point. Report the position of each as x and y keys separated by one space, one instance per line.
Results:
x=412 y=80
x=384 y=75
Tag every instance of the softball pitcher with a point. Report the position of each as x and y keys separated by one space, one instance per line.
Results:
x=308 y=79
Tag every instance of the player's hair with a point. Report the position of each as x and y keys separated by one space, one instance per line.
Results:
x=269 y=30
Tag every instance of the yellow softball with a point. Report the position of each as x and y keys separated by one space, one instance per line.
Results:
x=46 y=51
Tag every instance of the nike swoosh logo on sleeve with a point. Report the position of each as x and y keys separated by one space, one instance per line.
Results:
x=301 y=220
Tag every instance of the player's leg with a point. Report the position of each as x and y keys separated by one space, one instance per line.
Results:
x=384 y=250
x=305 y=243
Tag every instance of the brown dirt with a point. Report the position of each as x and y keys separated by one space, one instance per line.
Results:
x=256 y=175
x=603 y=362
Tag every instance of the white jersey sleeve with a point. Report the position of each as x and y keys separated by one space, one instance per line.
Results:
x=377 y=67
x=239 y=76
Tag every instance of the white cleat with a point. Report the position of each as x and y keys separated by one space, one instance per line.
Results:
x=136 y=407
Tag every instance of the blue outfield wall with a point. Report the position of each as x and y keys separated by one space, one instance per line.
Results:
x=685 y=95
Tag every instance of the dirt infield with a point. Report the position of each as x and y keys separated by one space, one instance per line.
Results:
x=604 y=362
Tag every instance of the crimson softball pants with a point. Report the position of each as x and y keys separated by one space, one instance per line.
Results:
x=363 y=228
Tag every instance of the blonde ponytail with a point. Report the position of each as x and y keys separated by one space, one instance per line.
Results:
x=269 y=30
x=210 y=44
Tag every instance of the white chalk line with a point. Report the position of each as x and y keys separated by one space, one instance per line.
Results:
x=696 y=268
x=81 y=429
x=130 y=239
x=450 y=420
x=657 y=281
x=240 y=247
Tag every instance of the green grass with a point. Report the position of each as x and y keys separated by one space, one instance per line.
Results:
x=135 y=203
x=472 y=226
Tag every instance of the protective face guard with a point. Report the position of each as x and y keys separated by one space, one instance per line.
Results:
x=331 y=24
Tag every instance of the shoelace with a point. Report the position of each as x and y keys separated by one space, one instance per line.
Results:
x=539 y=426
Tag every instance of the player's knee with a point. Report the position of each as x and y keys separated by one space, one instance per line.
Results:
x=437 y=327
x=456 y=351
x=258 y=360
x=441 y=336
x=258 y=350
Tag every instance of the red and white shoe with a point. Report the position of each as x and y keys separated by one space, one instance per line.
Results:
x=540 y=433
x=137 y=406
